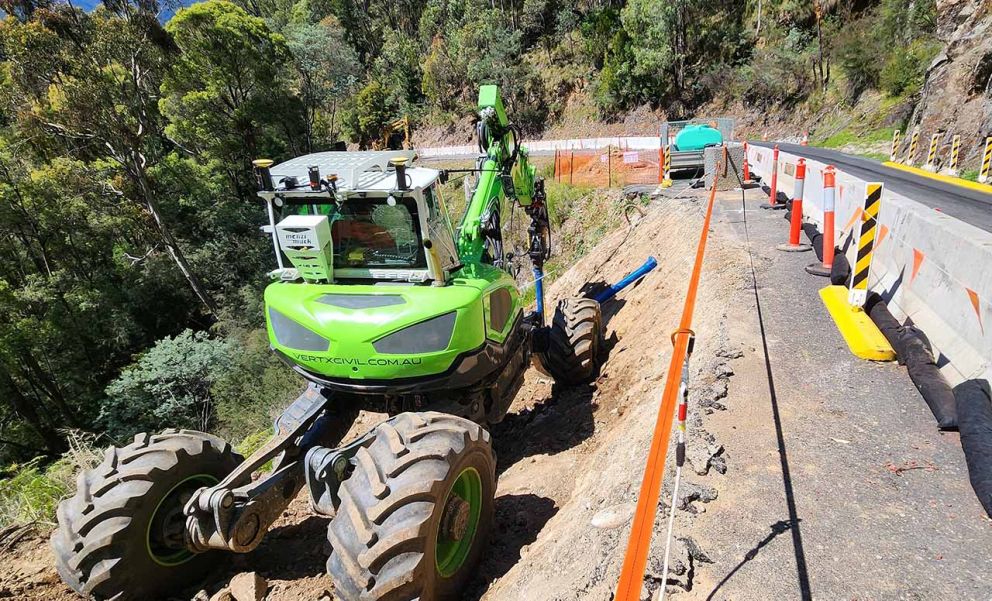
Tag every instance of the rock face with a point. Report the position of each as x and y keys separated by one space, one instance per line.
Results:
x=957 y=94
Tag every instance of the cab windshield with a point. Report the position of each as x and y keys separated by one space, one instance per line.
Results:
x=374 y=233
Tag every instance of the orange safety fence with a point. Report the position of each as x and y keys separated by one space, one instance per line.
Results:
x=639 y=544
x=607 y=167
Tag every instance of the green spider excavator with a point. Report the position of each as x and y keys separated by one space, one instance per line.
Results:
x=379 y=303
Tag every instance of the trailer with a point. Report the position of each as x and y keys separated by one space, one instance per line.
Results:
x=721 y=130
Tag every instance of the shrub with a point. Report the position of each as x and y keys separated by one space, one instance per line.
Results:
x=255 y=388
x=168 y=386
x=773 y=77
x=905 y=69
x=369 y=113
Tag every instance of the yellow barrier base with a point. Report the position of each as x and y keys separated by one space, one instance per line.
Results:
x=957 y=181
x=861 y=334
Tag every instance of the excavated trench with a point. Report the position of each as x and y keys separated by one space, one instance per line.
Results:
x=569 y=461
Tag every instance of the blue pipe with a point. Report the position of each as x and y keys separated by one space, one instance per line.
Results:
x=632 y=277
x=539 y=291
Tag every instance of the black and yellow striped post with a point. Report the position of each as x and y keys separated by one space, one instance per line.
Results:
x=894 y=155
x=931 y=164
x=666 y=181
x=858 y=293
x=914 y=144
x=952 y=168
x=983 y=174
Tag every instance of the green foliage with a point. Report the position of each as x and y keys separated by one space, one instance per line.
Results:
x=30 y=492
x=848 y=137
x=904 y=71
x=254 y=389
x=888 y=48
x=169 y=385
x=398 y=69
x=616 y=86
x=970 y=174
x=253 y=442
x=225 y=95
x=907 y=19
x=474 y=47
x=662 y=50
x=370 y=113
x=650 y=29
x=443 y=79
x=367 y=23
x=327 y=73
x=857 y=51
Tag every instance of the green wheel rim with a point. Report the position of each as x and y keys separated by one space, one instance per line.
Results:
x=159 y=553
x=450 y=553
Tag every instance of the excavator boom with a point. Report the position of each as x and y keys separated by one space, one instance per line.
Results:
x=504 y=171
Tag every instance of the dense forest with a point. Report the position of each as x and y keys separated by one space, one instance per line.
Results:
x=131 y=264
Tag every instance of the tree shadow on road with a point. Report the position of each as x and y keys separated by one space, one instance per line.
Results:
x=518 y=521
x=779 y=527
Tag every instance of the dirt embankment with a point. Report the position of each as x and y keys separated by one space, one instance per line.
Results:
x=570 y=461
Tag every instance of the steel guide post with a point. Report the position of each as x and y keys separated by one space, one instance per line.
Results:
x=682 y=414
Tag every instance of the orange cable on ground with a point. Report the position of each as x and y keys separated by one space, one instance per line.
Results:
x=636 y=558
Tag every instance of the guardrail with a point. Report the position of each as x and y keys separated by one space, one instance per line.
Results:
x=931 y=268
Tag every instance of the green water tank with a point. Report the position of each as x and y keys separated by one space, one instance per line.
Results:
x=697 y=136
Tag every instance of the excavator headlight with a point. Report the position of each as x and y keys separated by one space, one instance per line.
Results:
x=292 y=335
x=429 y=336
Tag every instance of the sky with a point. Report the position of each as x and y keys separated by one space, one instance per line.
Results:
x=166 y=14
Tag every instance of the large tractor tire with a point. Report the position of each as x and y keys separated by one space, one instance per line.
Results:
x=572 y=357
x=415 y=514
x=122 y=535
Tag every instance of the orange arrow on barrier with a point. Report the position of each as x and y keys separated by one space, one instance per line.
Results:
x=883 y=231
x=978 y=310
x=854 y=218
x=917 y=263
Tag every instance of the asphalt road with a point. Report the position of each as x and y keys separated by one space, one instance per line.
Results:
x=970 y=206
x=839 y=485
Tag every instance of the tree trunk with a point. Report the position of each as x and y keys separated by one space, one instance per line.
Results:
x=49 y=386
x=819 y=37
x=26 y=410
x=679 y=53
x=170 y=242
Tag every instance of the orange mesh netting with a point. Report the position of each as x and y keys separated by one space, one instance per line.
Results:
x=607 y=167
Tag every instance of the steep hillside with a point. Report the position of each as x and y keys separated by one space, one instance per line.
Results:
x=957 y=94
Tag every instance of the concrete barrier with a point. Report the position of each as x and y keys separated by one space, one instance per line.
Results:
x=928 y=266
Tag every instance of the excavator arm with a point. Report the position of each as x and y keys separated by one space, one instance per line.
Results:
x=504 y=172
